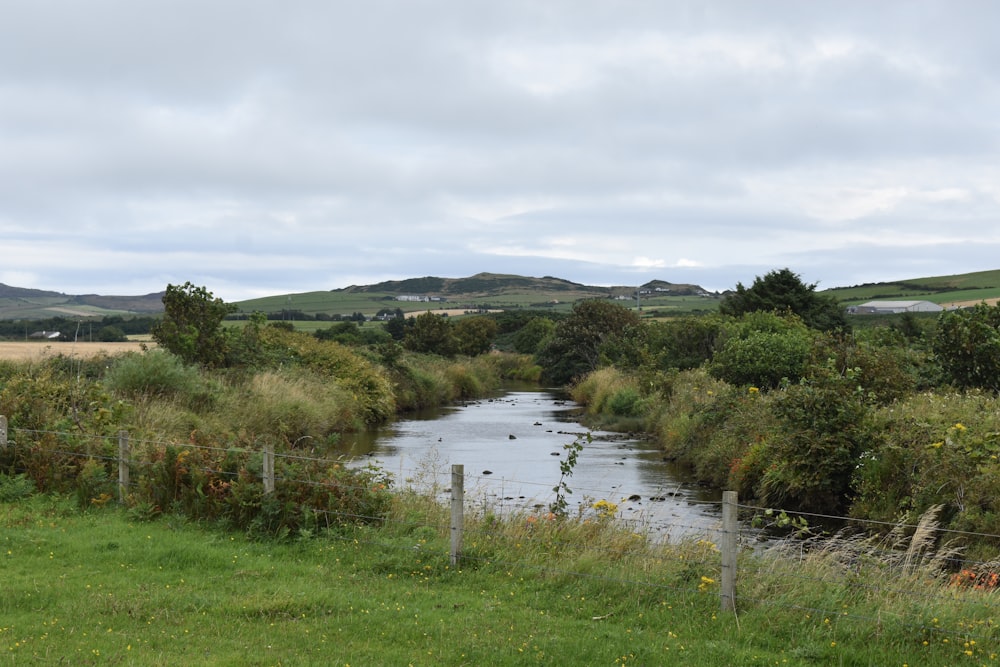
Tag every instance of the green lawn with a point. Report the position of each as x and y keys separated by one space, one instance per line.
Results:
x=97 y=588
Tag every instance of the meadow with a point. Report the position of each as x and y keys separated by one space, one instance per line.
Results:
x=101 y=587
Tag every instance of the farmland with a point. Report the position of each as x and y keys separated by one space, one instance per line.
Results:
x=33 y=351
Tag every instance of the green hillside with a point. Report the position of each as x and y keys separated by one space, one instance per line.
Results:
x=492 y=290
x=483 y=289
x=19 y=303
x=939 y=289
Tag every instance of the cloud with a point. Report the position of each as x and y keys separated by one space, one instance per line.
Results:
x=260 y=148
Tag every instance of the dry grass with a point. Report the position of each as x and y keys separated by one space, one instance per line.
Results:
x=29 y=351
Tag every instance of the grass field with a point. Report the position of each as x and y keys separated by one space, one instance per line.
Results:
x=97 y=588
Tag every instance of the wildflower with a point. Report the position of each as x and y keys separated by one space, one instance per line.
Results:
x=959 y=427
x=754 y=390
x=937 y=445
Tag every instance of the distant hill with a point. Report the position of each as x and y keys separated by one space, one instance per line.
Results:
x=962 y=289
x=20 y=303
x=487 y=289
x=492 y=290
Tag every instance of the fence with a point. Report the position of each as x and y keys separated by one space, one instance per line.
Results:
x=726 y=558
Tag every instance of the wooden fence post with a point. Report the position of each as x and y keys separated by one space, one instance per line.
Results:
x=3 y=432
x=123 y=466
x=457 y=511
x=729 y=547
x=268 y=468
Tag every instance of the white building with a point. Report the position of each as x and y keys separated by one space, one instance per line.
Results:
x=890 y=307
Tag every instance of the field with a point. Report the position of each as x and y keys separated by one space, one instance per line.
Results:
x=98 y=587
x=960 y=290
x=28 y=351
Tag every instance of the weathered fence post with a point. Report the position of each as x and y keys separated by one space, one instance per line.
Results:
x=123 y=466
x=3 y=432
x=268 y=468
x=729 y=547
x=457 y=511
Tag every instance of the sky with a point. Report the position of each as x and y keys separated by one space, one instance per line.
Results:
x=260 y=148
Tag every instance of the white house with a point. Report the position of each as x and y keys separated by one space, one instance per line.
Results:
x=889 y=307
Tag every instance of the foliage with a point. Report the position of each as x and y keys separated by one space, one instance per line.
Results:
x=560 y=504
x=431 y=334
x=683 y=343
x=579 y=341
x=762 y=349
x=15 y=487
x=474 y=335
x=530 y=338
x=154 y=373
x=349 y=333
x=111 y=334
x=782 y=291
x=191 y=326
x=967 y=345
x=824 y=427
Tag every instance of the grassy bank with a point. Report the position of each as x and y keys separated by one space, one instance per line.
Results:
x=97 y=588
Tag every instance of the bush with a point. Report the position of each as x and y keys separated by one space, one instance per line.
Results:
x=824 y=427
x=762 y=350
x=155 y=373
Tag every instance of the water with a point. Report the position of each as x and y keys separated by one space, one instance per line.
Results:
x=512 y=446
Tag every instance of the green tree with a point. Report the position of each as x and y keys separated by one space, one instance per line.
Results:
x=111 y=334
x=474 y=335
x=684 y=342
x=583 y=340
x=431 y=334
x=783 y=291
x=762 y=349
x=967 y=346
x=529 y=338
x=191 y=326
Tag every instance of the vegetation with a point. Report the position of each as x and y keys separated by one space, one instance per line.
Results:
x=887 y=422
x=103 y=586
x=191 y=326
x=784 y=292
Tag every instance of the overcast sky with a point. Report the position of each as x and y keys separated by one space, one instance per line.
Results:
x=260 y=148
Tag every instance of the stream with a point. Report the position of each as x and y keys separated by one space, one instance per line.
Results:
x=511 y=447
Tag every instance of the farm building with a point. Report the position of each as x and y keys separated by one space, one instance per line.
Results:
x=888 y=307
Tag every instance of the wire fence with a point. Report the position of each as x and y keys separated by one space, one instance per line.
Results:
x=912 y=576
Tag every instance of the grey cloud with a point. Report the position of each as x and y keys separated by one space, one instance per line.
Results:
x=341 y=140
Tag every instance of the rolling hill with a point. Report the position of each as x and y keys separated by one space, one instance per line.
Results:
x=20 y=303
x=485 y=290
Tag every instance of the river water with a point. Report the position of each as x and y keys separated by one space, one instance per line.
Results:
x=511 y=447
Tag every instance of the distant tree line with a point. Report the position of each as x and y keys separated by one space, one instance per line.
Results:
x=110 y=328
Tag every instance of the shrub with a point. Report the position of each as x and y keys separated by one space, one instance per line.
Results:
x=155 y=373
x=762 y=350
x=824 y=427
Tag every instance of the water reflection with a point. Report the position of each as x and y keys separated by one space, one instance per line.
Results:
x=512 y=446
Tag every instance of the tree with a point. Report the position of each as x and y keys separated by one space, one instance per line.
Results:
x=684 y=342
x=595 y=327
x=191 y=326
x=783 y=291
x=530 y=337
x=474 y=335
x=111 y=334
x=967 y=345
x=431 y=334
x=762 y=350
